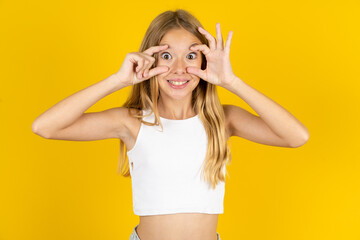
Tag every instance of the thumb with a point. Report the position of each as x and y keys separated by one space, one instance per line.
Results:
x=158 y=70
x=197 y=71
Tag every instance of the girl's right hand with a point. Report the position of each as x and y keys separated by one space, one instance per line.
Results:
x=136 y=66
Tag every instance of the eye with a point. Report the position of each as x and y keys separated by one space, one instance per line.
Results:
x=165 y=53
x=194 y=54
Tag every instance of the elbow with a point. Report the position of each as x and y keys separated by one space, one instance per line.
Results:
x=36 y=129
x=301 y=141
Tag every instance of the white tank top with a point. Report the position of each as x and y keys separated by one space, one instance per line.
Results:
x=165 y=174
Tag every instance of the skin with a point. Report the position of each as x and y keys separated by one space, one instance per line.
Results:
x=274 y=126
x=176 y=104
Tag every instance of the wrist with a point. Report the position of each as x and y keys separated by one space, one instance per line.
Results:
x=232 y=82
x=117 y=82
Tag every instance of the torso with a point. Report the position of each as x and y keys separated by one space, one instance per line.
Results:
x=178 y=226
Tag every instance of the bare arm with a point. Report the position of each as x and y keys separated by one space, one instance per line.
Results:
x=66 y=120
x=66 y=112
x=274 y=126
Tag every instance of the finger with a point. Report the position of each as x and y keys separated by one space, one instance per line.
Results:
x=158 y=70
x=147 y=69
x=147 y=57
x=197 y=71
x=140 y=64
x=149 y=61
x=146 y=72
x=228 y=42
x=147 y=65
x=212 y=40
x=150 y=51
x=220 y=44
x=141 y=71
x=201 y=47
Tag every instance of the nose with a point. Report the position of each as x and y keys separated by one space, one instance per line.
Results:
x=178 y=66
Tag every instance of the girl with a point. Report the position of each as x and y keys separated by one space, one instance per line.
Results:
x=173 y=126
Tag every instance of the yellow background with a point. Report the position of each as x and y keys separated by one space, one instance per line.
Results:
x=302 y=54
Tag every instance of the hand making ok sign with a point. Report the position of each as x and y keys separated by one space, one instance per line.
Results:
x=218 y=69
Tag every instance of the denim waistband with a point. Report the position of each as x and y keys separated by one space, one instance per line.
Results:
x=134 y=235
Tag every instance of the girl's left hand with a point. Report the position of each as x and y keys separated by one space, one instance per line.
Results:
x=218 y=69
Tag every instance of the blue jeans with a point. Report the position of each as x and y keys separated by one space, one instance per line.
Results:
x=134 y=235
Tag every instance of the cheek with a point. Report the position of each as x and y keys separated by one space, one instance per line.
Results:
x=161 y=62
x=197 y=63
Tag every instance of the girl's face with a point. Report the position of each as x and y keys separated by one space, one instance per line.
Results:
x=177 y=56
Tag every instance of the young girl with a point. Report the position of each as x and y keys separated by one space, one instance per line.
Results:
x=173 y=126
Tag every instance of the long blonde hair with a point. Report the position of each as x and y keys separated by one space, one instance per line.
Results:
x=205 y=100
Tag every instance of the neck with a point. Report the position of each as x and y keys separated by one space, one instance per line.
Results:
x=175 y=109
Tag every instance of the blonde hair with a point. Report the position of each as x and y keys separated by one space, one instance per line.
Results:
x=205 y=101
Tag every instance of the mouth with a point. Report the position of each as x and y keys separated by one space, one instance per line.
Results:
x=178 y=84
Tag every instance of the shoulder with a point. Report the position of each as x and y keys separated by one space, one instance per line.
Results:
x=227 y=111
x=237 y=117
x=125 y=119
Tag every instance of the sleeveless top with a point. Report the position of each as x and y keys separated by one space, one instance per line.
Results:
x=165 y=169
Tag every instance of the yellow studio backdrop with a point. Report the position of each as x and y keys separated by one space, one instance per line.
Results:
x=302 y=54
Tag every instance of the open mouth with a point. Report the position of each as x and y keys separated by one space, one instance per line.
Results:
x=178 y=84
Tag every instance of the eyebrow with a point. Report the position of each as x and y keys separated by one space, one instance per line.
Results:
x=170 y=47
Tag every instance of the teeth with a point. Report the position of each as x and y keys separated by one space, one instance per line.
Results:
x=177 y=83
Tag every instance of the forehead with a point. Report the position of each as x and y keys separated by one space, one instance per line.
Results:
x=179 y=38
